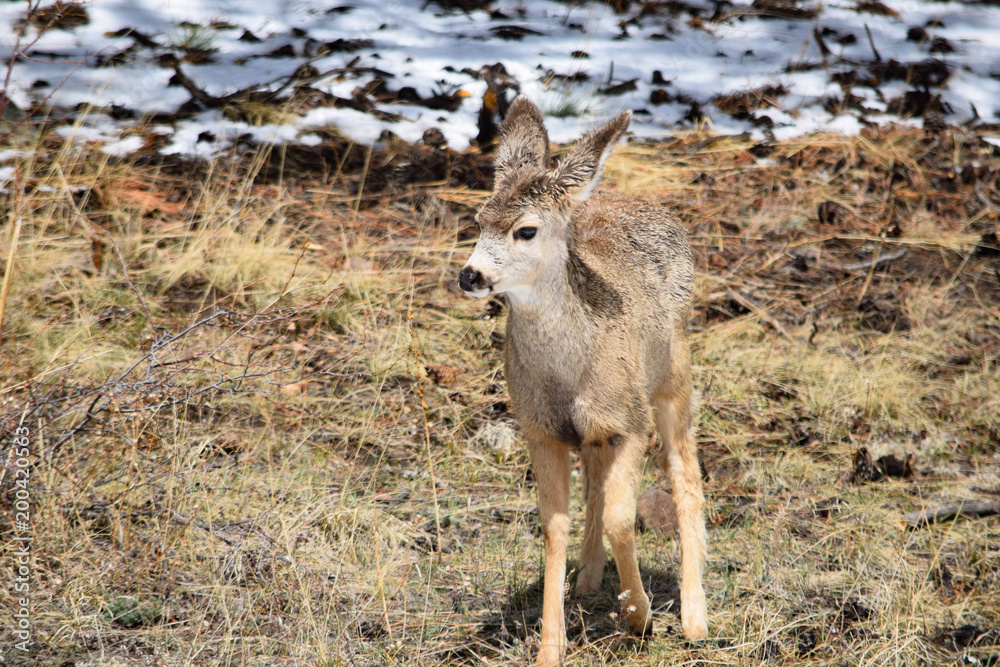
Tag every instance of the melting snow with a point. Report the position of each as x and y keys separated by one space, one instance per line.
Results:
x=705 y=50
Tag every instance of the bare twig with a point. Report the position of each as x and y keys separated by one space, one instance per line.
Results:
x=31 y=9
x=868 y=277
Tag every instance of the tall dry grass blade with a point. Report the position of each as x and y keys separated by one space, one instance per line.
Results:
x=8 y=273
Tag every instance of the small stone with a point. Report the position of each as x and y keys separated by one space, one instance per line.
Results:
x=656 y=512
x=441 y=374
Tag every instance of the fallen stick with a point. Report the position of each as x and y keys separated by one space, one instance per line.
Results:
x=758 y=311
x=864 y=266
x=871 y=41
x=948 y=512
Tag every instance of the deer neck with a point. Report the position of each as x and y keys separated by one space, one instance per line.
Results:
x=549 y=302
x=548 y=338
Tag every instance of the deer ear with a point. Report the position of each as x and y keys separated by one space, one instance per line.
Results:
x=523 y=139
x=579 y=172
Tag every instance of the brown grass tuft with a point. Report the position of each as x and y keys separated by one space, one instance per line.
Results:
x=267 y=430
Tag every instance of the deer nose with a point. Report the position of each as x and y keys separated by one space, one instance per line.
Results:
x=468 y=279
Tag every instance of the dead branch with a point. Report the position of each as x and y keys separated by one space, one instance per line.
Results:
x=944 y=513
x=206 y=100
x=259 y=90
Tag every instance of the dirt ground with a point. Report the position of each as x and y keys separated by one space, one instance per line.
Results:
x=266 y=429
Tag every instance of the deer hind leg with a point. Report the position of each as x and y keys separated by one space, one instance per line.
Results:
x=614 y=480
x=592 y=557
x=675 y=422
x=550 y=462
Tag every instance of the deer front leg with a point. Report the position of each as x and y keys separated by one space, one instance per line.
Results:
x=592 y=556
x=550 y=462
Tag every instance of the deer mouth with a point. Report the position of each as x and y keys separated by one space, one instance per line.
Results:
x=478 y=294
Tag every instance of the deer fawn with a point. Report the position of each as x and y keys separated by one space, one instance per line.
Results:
x=599 y=288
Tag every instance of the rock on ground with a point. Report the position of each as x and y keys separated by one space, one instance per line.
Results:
x=656 y=512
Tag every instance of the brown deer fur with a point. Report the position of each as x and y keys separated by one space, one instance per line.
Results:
x=599 y=289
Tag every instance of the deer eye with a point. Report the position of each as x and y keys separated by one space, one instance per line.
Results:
x=525 y=233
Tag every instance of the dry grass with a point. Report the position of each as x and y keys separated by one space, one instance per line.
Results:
x=268 y=431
